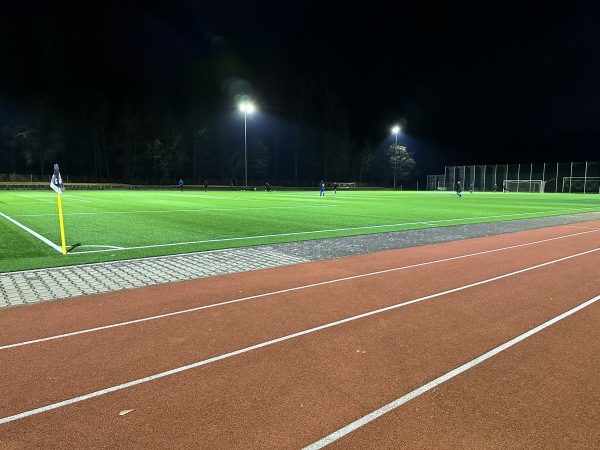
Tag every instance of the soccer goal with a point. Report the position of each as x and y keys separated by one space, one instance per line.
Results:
x=581 y=184
x=441 y=186
x=524 y=186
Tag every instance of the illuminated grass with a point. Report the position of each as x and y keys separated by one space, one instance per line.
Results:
x=114 y=225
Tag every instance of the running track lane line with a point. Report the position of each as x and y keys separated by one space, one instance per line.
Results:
x=297 y=288
x=336 y=435
x=157 y=376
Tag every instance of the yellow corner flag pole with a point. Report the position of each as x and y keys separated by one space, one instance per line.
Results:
x=62 y=225
x=56 y=185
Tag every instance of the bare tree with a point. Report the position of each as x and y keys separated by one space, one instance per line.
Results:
x=154 y=151
x=96 y=112
x=30 y=143
x=300 y=118
x=129 y=138
x=367 y=155
x=401 y=162
x=335 y=126
x=201 y=141
x=260 y=159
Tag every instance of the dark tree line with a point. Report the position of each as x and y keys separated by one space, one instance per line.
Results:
x=146 y=139
x=170 y=114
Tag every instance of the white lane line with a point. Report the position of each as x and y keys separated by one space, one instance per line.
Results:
x=266 y=344
x=297 y=288
x=33 y=233
x=336 y=435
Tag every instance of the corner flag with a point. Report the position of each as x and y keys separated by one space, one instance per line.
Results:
x=57 y=185
x=56 y=181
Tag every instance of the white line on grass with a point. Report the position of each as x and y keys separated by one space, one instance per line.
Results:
x=305 y=233
x=336 y=435
x=176 y=370
x=58 y=248
x=203 y=196
x=37 y=199
x=307 y=286
x=170 y=211
x=68 y=197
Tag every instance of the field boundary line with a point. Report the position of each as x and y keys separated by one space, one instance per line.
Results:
x=433 y=223
x=297 y=288
x=270 y=342
x=46 y=241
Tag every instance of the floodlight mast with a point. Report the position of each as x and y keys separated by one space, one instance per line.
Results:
x=395 y=130
x=247 y=108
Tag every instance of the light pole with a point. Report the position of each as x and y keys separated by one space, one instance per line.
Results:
x=247 y=108
x=395 y=130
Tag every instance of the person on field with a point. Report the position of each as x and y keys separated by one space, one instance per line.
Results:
x=495 y=187
x=458 y=189
x=322 y=190
x=471 y=188
x=205 y=185
x=181 y=184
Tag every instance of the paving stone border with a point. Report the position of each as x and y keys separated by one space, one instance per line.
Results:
x=33 y=286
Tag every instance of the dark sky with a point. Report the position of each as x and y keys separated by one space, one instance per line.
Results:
x=473 y=82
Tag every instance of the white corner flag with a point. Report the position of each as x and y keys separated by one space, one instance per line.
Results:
x=57 y=185
x=56 y=181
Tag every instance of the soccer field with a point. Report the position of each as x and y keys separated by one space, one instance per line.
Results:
x=115 y=225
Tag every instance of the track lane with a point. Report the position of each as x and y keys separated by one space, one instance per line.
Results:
x=186 y=339
x=71 y=315
x=540 y=394
x=259 y=364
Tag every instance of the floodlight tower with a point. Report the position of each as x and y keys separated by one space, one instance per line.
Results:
x=246 y=107
x=395 y=130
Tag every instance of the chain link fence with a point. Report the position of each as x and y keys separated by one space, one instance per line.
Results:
x=569 y=177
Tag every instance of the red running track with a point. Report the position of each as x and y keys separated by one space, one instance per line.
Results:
x=483 y=343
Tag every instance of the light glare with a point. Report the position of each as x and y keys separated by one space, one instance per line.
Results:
x=247 y=107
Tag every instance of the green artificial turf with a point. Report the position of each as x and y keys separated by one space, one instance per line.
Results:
x=114 y=225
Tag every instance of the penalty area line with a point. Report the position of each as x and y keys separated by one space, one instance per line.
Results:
x=58 y=248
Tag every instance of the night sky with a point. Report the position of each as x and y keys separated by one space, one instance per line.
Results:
x=472 y=82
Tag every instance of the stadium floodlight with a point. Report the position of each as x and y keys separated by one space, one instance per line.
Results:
x=395 y=130
x=246 y=107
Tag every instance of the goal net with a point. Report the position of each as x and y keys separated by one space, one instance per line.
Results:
x=524 y=185
x=441 y=186
x=581 y=184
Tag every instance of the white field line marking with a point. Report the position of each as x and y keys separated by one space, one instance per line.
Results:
x=37 y=199
x=307 y=286
x=303 y=233
x=109 y=247
x=44 y=198
x=442 y=379
x=176 y=370
x=201 y=196
x=170 y=211
x=58 y=248
x=76 y=199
